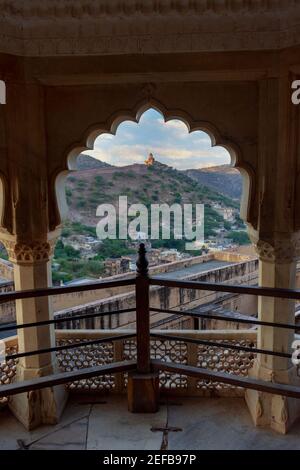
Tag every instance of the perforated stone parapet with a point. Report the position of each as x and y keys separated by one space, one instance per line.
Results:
x=8 y=369
x=208 y=357
x=229 y=361
x=87 y=356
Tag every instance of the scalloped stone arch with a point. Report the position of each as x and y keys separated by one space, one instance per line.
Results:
x=111 y=125
x=6 y=224
x=2 y=198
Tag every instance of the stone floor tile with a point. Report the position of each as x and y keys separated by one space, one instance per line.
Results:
x=224 y=424
x=113 y=427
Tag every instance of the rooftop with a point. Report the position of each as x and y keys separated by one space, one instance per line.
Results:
x=80 y=281
x=187 y=423
x=196 y=269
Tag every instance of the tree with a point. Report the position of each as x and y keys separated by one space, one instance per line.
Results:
x=241 y=238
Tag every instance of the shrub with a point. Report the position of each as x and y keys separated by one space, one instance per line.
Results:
x=81 y=203
x=129 y=174
x=99 y=179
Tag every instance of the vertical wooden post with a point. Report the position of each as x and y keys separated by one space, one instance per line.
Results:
x=118 y=357
x=192 y=359
x=142 y=313
x=143 y=384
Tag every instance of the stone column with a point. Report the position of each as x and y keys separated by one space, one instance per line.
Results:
x=32 y=270
x=277 y=268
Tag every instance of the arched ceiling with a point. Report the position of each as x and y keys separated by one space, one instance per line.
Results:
x=103 y=27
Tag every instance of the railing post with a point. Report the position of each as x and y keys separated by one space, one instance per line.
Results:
x=192 y=360
x=142 y=312
x=118 y=357
x=143 y=385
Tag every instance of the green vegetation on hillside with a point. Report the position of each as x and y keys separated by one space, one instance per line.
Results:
x=155 y=184
x=3 y=252
x=241 y=238
x=69 y=265
x=77 y=228
x=114 y=249
x=146 y=185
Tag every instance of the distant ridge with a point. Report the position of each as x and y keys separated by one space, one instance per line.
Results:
x=141 y=184
x=86 y=162
x=222 y=178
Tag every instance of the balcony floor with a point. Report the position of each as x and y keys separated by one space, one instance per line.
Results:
x=194 y=423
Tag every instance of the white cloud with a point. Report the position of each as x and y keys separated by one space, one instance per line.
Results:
x=170 y=142
x=107 y=136
x=177 y=125
x=96 y=153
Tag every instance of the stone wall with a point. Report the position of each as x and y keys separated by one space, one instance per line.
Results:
x=168 y=298
x=6 y=270
x=123 y=297
x=7 y=309
x=60 y=302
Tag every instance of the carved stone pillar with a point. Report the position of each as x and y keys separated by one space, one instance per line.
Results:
x=32 y=270
x=277 y=268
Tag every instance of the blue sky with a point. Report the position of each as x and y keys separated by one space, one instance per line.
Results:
x=169 y=142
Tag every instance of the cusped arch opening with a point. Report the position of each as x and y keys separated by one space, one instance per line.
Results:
x=171 y=120
x=3 y=190
x=111 y=129
x=2 y=198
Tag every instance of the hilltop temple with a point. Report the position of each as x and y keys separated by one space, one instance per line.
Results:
x=150 y=160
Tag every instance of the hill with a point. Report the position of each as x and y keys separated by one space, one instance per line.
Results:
x=141 y=184
x=87 y=162
x=223 y=178
x=94 y=185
